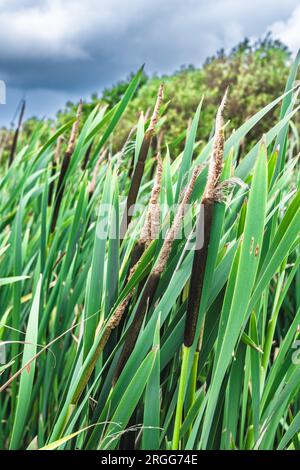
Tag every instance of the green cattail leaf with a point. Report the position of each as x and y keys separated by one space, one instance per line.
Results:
x=151 y=420
x=27 y=376
x=128 y=402
x=188 y=152
x=255 y=376
x=96 y=273
x=234 y=311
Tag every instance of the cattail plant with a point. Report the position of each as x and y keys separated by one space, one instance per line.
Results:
x=152 y=223
x=151 y=226
x=64 y=168
x=16 y=134
x=140 y=165
x=149 y=231
x=210 y=197
x=154 y=278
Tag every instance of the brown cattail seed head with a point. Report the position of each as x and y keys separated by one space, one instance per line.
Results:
x=75 y=127
x=57 y=150
x=174 y=229
x=216 y=160
x=154 y=117
x=151 y=227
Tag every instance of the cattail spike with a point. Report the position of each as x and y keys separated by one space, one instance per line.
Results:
x=159 y=142
x=154 y=117
x=211 y=195
x=216 y=160
x=139 y=168
x=173 y=231
x=151 y=227
x=74 y=131
x=219 y=116
x=55 y=163
x=57 y=149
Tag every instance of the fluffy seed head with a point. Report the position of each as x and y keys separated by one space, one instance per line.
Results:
x=154 y=117
x=74 y=131
x=216 y=160
x=57 y=150
x=174 y=229
x=151 y=227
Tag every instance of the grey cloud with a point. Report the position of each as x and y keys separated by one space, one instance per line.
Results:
x=75 y=47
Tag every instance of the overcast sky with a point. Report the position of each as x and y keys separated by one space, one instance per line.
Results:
x=56 y=50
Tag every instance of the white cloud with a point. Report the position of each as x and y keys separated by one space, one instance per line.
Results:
x=61 y=28
x=76 y=29
x=289 y=31
x=39 y=29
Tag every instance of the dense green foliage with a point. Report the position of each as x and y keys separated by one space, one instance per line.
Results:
x=61 y=287
x=255 y=74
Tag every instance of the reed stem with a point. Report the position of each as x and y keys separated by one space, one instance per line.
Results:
x=180 y=398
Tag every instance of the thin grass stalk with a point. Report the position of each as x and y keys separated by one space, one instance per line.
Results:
x=140 y=165
x=151 y=227
x=16 y=134
x=153 y=280
x=55 y=163
x=64 y=168
x=92 y=184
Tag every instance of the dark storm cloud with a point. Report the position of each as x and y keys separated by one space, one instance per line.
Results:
x=72 y=47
